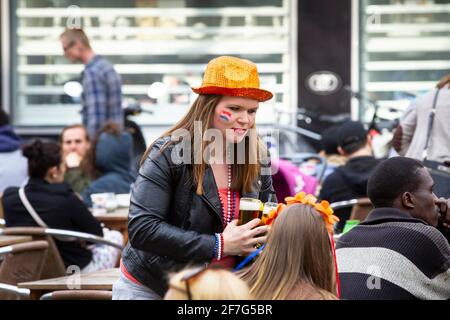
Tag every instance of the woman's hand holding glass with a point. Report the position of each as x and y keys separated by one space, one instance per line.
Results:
x=241 y=240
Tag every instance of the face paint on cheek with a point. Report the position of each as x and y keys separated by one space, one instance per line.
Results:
x=225 y=116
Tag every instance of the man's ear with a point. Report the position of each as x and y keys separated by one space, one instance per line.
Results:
x=341 y=151
x=407 y=200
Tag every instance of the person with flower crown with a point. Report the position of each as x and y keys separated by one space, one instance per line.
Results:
x=185 y=201
x=298 y=260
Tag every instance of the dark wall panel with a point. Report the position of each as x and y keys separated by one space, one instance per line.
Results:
x=324 y=45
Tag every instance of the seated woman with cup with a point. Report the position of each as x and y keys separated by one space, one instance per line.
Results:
x=111 y=156
x=57 y=206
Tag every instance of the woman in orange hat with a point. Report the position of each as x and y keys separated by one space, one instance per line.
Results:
x=185 y=202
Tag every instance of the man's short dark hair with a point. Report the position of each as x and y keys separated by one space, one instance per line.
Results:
x=391 y=178
x=351 y=136
x=329 y=140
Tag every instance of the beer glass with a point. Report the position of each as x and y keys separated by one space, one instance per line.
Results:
x=249 y=209
x=268 y=207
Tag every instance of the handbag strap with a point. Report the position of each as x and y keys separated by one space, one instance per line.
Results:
x=30 y=208
x=430 y=125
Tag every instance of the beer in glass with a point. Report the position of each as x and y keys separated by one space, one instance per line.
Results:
x=268 y=207
x=249 y=209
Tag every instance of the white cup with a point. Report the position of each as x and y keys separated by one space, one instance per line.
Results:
x=99 y=202
x=111 y=202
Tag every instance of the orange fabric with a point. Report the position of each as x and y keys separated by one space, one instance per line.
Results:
x=323 y=207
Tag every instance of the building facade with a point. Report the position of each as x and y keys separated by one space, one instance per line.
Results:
x=309 y=53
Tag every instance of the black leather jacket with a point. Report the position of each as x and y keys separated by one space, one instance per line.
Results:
x=169 y=225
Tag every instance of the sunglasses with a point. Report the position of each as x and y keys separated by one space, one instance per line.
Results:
x=192 y=274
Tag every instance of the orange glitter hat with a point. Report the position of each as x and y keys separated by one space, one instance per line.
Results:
x=231 y=76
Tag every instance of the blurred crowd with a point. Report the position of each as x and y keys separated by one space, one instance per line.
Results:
x=184 y=238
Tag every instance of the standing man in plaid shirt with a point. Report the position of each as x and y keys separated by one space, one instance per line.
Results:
x=102 y=85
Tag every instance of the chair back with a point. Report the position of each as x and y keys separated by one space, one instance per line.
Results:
x=22 y=262
x=15 y=292
x=78 y=295
x=361 y=209
x=2 y=214
x=54 y=265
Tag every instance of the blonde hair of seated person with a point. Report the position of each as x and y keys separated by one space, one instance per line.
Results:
x=208 y=284
x=297 y=261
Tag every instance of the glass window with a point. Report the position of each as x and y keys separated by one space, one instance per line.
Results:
x=160 y=48
x=405 y=50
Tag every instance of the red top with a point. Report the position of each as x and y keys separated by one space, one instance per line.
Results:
x=127 y=274
x=228 y=262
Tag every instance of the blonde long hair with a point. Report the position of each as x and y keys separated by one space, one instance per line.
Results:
x=298 y=251
x=203 y=110
x=211 y=284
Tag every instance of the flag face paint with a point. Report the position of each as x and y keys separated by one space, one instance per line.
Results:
x=225 y=116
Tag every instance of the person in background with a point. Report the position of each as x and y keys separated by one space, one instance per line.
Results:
x=58 y=207
x=185 y=201
x=102 y=86
x=202 y=283
x=350 y=180
x=75 y=143
x=330 y=151
x=111 y=154
x=411 y=134
x=13 y=165
x=297 y=261
x=397 y=252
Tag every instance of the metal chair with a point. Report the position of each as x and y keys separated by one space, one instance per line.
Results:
x=78 y=295
x=2 y=214
x=360 y=208
x=54 y=266
x=21 y=262
x=11 y=290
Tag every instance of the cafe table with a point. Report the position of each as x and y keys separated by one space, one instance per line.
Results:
x=115 y=220
x=10 y=240
x=98 y=280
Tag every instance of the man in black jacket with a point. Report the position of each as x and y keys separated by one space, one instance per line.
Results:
x=397 y=252
x=350 y=181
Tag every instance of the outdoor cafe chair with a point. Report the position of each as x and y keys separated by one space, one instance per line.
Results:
x=54 y=265
x=21 y=262
x=360 y=208
x=14 y=292
x=78 y=295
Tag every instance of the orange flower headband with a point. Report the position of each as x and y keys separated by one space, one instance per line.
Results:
x=323 y=208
